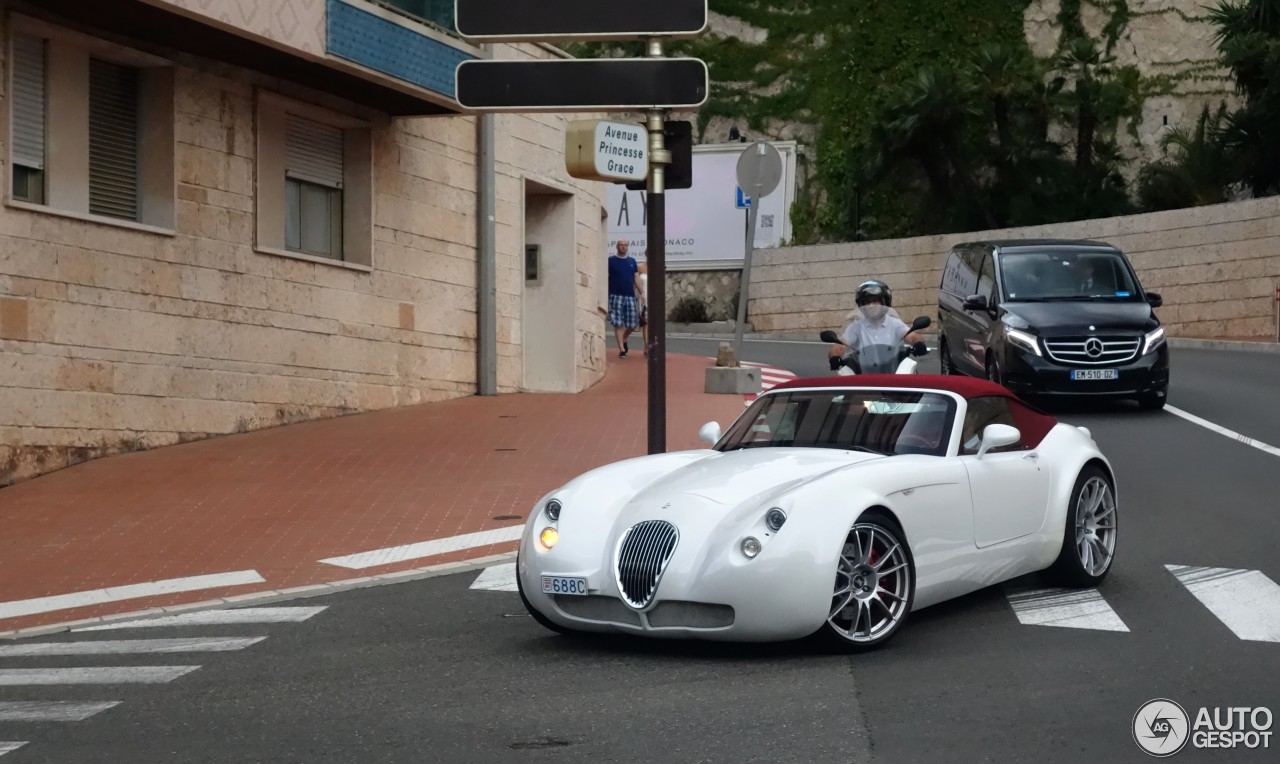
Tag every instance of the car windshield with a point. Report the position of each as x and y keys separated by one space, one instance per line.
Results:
x=1066 y=276
x=877 y=421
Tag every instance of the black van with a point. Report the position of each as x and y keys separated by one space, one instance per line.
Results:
x=1052 y=317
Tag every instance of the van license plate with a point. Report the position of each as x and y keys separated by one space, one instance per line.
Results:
x=1089 y=374
x=564 y=585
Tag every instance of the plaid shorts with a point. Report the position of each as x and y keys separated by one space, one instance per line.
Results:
x=623 y=311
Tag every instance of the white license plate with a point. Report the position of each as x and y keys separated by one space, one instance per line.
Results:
x=1086 y=374
x=564 y=585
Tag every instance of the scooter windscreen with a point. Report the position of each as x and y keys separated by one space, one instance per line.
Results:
x=879 y=359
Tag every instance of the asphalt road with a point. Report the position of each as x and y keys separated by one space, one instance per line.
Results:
x=435 y=670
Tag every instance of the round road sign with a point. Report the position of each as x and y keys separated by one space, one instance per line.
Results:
x=759 y=169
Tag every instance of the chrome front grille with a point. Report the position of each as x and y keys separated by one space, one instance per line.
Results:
x=1094 y=351
x=643 y=554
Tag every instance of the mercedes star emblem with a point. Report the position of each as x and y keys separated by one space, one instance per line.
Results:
x=1093 y=346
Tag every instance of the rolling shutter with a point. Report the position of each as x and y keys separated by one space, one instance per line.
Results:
x=113 y=140
x=28 y=102
x=313 y=152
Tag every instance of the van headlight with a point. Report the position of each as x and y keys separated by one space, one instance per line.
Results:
x=1153 y=340
x=1023 y=340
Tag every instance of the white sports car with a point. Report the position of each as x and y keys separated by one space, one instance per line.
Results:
x=832 y=507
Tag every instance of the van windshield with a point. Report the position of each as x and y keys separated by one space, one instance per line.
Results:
x=1052 y=276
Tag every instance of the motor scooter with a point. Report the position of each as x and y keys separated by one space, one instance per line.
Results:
x=879 y=359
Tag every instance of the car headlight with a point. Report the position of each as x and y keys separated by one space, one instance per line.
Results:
x=774 y=519
x=1023 y=340
x=750 y=547
x=1153 y=340
x=553 y=510
x=549 y=537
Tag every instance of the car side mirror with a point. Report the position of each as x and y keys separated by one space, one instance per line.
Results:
x=829 y=336
x=1154 y=299
x=997 y=435
x=976 y=302
x=710 y=433
x=921 y=322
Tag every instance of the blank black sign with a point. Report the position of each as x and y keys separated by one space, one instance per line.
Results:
x=552 y=19
x=582 y=84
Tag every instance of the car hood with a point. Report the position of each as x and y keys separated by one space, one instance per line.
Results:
x=733 y=477
x=1076 y=317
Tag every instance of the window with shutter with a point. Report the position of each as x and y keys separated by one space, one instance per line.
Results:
x=313 y=187
x=113 y=140
x=28 y=118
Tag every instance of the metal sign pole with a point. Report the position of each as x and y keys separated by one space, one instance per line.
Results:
x=655 y=256
x=745 y=285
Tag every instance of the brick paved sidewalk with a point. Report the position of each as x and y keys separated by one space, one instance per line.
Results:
x=278 y=501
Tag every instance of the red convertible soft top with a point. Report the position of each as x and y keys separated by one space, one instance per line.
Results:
x=1032 y=423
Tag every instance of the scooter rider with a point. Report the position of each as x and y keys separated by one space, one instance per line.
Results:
x=875 y=323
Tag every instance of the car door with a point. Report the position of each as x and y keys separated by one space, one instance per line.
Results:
x=979 y=320
x=1008 y=486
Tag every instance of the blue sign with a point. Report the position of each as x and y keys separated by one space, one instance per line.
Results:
x=743 y=201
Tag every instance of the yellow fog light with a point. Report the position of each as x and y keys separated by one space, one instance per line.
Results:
x=549 y=537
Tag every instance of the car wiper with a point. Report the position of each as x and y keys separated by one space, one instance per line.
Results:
x=864 y=449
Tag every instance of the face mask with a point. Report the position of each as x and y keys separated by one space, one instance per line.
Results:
x=873 y=312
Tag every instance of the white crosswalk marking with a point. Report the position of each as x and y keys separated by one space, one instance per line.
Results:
x=9 y=747
x=1246 y=601
x=93 y=675
x=217 y=618
x=127 y=646
x=499 y=578
x=377 y=557
x=52 y=710
x=1069 y=608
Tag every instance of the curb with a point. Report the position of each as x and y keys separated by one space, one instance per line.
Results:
x=272 y=595
x=1247 y=346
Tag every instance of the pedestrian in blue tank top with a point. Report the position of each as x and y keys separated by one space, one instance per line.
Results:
x=624 y=296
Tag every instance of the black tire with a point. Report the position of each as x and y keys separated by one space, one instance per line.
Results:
x=888 y=534
x=1151 y=402
x=993 y=370
x=948 y=366
x=1069 y=569
x=538 y=616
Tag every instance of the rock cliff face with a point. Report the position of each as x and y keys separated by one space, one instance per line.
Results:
x=1169 y=38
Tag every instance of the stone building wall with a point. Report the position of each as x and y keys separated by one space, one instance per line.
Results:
x=116 y=337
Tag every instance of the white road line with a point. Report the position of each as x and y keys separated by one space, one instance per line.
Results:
x=93 y=675
x=1223 y=431
x=217 y=618
x=389 y=555
x=131 y=591
x=130 y=646
x=52 y=710
x=1246 y=601
x=1069 y=608
x=10 y=747
x=499 y=578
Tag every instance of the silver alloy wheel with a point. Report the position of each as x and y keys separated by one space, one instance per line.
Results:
x=1095 y=526
x=873 y=581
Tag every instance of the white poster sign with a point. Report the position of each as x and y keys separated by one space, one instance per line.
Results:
x=706 y=226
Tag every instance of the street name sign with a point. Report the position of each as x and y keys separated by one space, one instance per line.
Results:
x=607 y=151
x=582 y=84
x=574 y=20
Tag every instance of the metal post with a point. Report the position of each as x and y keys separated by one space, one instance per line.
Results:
x=486 y=260
x=745 y=285
x=655 y=257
